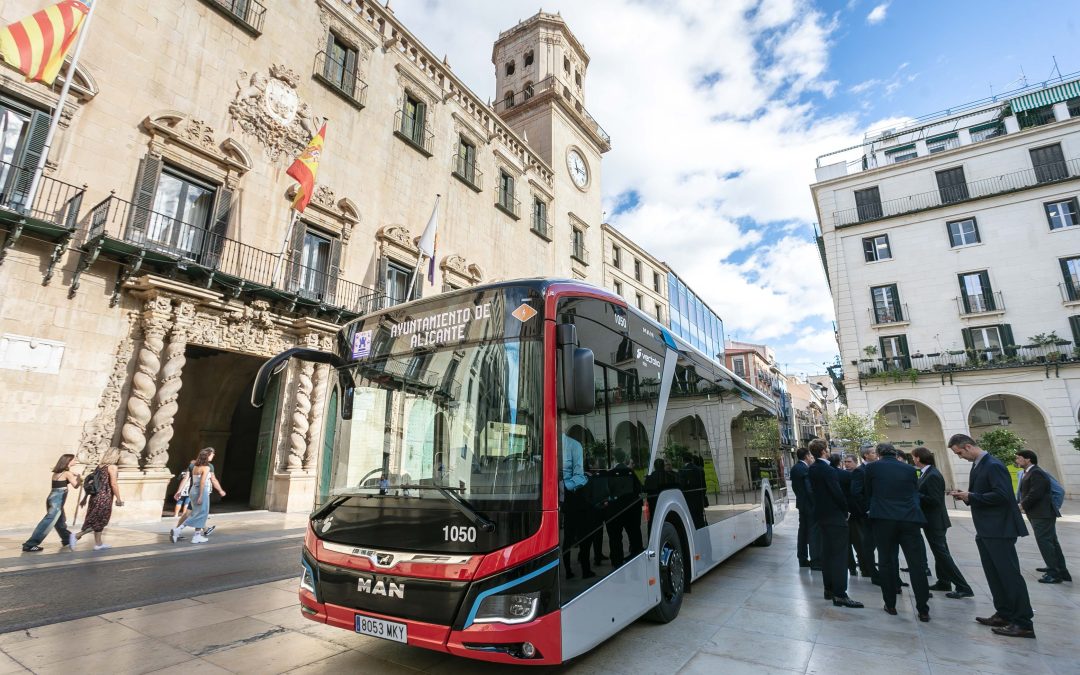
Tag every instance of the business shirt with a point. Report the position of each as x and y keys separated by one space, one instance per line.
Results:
x=573 y=465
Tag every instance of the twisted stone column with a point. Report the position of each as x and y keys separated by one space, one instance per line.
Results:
x=161 y=424
x=155 y=323
x=315 y=428
x=300 y=425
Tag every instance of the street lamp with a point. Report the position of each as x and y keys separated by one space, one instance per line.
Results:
x=905 y=422
x=1004 y=420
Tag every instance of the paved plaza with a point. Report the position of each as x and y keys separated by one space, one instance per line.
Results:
x=757 y=613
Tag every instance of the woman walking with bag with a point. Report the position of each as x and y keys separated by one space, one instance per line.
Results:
x=199 y=492
x=62 y=477
x=101 y=488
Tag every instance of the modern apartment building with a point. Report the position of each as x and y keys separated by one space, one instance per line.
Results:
x=153 y=273
x=692 y=319
x=952 y=248
x=633 y=273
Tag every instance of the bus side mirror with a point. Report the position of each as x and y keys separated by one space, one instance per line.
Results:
x=579 y=394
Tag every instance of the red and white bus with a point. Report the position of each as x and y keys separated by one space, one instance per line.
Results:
x=522 y=469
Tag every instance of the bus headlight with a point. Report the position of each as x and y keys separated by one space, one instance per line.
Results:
x=508 y=608
x=306 y=582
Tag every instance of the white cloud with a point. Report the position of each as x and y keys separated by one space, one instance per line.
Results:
x=877 y=14
x=711 y=163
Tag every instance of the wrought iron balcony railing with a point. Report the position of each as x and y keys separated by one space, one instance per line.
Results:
x=911 y=367
x=414 y=132
x=248 y=14
x=987 y=187
x=55 y=204
x=579 y=253
x=1070 y=290
x=980 y=303
x=158 y=239
x=506 y=202
x=466 y=171
x=541 y=226
x=885 y=316
x=341 y=79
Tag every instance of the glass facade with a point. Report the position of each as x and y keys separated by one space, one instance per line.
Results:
x=692 y=320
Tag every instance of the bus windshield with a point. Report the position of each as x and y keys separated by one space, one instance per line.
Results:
x=464 y=418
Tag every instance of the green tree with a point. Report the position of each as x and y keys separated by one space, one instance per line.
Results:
x=855 y=430
x=762 y=434
x=1002 y=443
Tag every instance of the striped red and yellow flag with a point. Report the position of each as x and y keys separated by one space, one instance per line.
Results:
x=38 y=44
x=305 y=168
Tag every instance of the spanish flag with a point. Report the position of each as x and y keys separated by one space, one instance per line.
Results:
x=38 y=44
x=305 y=168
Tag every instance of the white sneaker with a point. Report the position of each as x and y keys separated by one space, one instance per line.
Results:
x=72 y=540
x=174 y=534
x=102 y=547
x=199 y=539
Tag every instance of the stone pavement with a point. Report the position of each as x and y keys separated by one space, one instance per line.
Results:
x=757 y=613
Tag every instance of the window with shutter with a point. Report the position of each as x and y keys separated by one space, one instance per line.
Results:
x=952 y=187
x=868 y=203
x=1049 y=163
x=976 y=293
x=142 y=203
x=219 y=231
x=1070 y=270
x=1074 y=324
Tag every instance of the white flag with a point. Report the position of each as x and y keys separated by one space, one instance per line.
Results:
x=427 y=240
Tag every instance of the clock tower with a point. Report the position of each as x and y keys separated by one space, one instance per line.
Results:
x=540 y=70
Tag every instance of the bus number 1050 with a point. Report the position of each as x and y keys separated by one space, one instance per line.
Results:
x=459 y=533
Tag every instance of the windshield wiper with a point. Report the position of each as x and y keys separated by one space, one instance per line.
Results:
x=450 y=493
x=330 y=506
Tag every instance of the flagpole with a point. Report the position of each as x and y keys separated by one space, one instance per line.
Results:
x=55 y=121
x=285 y=246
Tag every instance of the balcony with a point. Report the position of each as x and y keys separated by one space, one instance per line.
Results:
x=552 y=87
x=1070 y=291
x=341 y=80
x=141 y=239
x=980 y=304
x=507 y=203
x=541 y=227
x=52 y=215
x=1011 y=182
x=414 y=132
x=893 y=316
x=910 y=368
x=466 y=171
x=579 y=253
x=247 y=14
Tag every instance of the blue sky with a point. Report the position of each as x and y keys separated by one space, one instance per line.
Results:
x=718 y=108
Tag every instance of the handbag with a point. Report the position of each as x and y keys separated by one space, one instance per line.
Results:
x=90 y=485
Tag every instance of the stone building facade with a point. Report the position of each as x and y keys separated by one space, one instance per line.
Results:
x=952 y=248
x=634 y=274
x=156 y=269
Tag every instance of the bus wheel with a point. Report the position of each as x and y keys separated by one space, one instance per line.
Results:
x=672 y=575
x=766 y=539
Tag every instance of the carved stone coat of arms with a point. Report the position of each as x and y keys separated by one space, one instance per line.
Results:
x=268 y=107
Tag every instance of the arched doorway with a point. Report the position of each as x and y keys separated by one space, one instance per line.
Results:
x=1021 y=417
x=632 y=438
x=909 y=424
x=687 y=435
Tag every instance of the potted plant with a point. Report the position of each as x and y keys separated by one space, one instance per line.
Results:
x=870 y=351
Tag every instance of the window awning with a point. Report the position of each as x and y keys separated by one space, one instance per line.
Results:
x=1048 y=96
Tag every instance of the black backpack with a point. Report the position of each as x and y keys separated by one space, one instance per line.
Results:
x=90 y=485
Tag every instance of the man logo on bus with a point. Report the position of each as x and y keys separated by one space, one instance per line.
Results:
x=380 y=587
x=361 y=344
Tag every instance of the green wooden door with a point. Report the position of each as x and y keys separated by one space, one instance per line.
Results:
x=326 y=462
x=264 y=448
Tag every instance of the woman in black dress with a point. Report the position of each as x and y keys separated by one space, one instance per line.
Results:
x=101 y=503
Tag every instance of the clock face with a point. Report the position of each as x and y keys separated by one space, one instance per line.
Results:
x=579 y=172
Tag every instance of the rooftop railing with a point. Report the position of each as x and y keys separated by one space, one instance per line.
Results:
x=552 y=84
x=986 y=187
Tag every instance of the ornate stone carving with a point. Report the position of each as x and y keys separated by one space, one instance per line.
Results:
x=157 y=449
x=194 y=134
x=301 y=411
x=268 y=107
x=98 y=433
x=199 y=133
x=456 y=265
x=315 y=423
x=324 y=196
x=398 y=236
x=251 y=330
x=155 y=322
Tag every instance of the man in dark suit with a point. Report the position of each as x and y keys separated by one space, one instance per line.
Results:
x=692 y=482
x=860 y=519
x=830 y=513
x=624 y=509
x=1037 y=503
x=998 y=523
x=804 y=502
x=932 y=501
x=892 y=489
